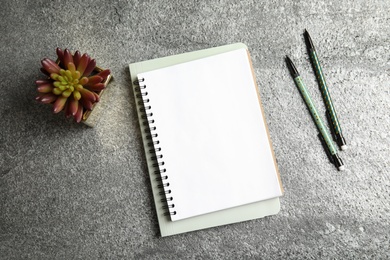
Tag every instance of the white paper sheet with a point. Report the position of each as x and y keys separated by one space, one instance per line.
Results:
x=210 y=128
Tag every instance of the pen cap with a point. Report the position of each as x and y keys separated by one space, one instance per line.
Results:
x=341 y=142
x=338 y=162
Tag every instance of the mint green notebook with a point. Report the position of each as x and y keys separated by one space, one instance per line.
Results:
x=190 y=216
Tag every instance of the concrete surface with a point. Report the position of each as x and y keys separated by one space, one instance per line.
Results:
x=72 y=192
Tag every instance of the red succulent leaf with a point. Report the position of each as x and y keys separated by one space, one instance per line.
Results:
x=59 y=104
x=46 y=98
x=67 y=58
x=90 y=67
x=43 y=81
x=67 y=110
x=96 y=96
x=87 y=95
x=96 y=87
x=84 y=60
x=86 y=103
x=73 y=105
x=45 y=72
x=45 y=87
x=94 y=80
x=104 y=74
x=38 y=98
x=50 y=66
x=79 y=114
x=76 y=58
x=60 y=54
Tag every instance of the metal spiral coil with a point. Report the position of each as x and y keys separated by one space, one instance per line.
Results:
x=152 y=142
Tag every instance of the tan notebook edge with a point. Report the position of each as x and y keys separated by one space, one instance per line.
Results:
x=265 y=123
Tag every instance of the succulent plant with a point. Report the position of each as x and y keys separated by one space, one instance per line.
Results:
x=72 y=84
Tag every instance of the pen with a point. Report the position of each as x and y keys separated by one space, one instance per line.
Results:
x=331 y=112
x=320 y=125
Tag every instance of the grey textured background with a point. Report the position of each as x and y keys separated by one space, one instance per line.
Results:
x=68 y=191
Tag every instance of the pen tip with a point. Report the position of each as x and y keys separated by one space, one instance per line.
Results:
x=291 y=67
x=308 y=40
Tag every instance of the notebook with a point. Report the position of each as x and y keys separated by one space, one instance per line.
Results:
x=209 y=154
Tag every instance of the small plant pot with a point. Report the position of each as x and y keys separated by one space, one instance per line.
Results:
x=90 y=117
x=75 y=87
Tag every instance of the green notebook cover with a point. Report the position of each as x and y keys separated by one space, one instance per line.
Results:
x=222 y=217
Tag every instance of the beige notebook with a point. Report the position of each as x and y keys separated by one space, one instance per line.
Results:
x=211 y=148
x=210 y=137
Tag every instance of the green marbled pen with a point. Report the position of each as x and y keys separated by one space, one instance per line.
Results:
x=320 y=125
x=330 y=110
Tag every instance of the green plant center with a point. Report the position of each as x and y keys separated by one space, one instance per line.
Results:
x=65 y=83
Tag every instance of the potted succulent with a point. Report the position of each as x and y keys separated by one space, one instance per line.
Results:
x=74 y=84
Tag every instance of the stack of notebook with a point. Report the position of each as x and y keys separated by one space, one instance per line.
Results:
x=208 y=150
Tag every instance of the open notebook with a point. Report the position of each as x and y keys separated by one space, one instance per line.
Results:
x=209 y=153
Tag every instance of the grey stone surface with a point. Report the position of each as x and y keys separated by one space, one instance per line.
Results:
x=69 y=191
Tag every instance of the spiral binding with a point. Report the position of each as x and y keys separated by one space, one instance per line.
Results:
x=151 y=136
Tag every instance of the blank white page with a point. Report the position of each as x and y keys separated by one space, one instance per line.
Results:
x=212 y=134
